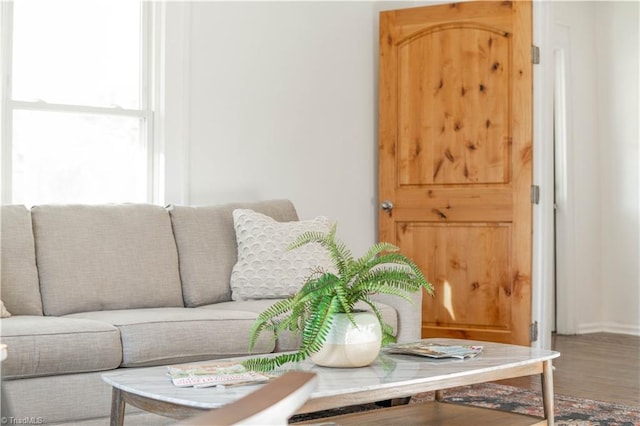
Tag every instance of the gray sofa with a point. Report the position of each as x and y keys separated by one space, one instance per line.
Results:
x=96 y=288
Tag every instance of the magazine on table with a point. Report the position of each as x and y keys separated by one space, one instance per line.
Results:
x=214 y=374
x=435 y=350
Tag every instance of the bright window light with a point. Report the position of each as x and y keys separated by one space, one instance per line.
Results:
x=82 y=52
x=77 y=102
x=71 y=158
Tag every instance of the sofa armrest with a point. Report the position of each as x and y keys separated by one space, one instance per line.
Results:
x=409 y=315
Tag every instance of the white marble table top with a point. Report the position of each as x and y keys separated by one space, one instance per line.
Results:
x=387 y=371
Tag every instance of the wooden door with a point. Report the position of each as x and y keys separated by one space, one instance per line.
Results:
x=455 y=159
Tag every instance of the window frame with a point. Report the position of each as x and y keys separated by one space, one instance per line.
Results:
x=151 y=64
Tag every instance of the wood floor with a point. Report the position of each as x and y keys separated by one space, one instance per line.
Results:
x=600 y=366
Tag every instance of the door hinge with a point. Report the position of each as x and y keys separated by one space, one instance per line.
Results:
x=535 y=194
x=533 y=331
x=535 y=54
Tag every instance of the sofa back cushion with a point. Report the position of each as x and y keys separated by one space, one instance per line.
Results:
x=102 y=257
x=207 y=245
x=20 y=288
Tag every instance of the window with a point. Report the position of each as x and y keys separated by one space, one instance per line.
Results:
x=77 y=110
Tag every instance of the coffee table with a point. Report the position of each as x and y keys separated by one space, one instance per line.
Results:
x=389 y=377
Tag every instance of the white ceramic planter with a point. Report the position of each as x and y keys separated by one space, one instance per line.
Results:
x=348 y=345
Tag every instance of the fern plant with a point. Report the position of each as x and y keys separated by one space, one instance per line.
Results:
x=381 y=270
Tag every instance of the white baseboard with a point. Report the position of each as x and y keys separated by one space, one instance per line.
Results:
x=609 y=327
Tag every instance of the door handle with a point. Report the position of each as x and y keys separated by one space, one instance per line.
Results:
x=387 y=206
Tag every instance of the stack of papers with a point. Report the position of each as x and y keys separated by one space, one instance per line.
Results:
x=435 y=350
x=214 y=374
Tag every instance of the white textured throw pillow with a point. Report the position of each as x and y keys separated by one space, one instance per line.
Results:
x=265 y=268
x=3 y=311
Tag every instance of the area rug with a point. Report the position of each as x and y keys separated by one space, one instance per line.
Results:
x=568 y=410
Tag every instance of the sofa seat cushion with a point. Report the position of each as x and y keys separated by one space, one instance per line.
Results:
x=158 y=336
x=287 y=342
x=41 y=346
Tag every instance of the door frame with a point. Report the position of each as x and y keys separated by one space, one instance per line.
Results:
x=544 y=233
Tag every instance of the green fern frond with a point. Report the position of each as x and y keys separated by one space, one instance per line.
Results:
x=342 y=295
x=380 y=280
x=317 y=327
x=387 y=335
x=379 y=248
x=401 y=276
x=401 y=260
x=264 y=320
x=316 y=287
x=271 y=363
x=339 y=254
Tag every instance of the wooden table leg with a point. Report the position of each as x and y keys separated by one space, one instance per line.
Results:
x=117 y=408
x=439 y=395
x=547 y=392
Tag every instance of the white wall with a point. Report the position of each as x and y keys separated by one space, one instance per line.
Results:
x=283 y=105
x=617 y=47
x=578 y=214
x=599 y=283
